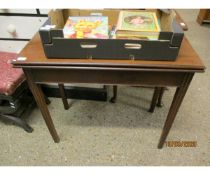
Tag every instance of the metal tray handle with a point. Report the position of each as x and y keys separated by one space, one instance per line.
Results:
x=132 y=46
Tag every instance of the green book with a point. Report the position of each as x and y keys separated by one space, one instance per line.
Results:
x=144 y=24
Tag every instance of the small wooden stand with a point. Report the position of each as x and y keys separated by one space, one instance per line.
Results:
x=203 y=16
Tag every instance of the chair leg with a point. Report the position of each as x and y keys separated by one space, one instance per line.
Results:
x=114 y=97
x=63 y=96
x=154 y=99
x=20 y=122
x=159 y=103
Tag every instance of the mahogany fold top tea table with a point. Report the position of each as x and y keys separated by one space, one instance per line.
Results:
x=39 y=69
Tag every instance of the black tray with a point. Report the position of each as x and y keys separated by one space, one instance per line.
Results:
x=165 y=48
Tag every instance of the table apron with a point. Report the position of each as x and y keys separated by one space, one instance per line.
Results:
x=116 y=77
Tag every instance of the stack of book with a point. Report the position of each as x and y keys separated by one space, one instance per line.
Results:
x=86 y=27
x=137 y=25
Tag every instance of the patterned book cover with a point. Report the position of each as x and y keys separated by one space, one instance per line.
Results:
x=86 y=27
x=138 y=21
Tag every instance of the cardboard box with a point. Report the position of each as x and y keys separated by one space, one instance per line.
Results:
x=165 y=48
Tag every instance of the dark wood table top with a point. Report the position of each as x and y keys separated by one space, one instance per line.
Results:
x=186 y=60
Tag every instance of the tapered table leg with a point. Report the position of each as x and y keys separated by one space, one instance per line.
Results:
x=177 y=100
x=40 y=100
x=154 y=99
x=63 y=96
x=159 y=103
x=114 y=97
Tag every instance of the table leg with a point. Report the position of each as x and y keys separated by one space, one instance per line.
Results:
x=177 y=100
x=159 y=103
x=154 y=99
x=40 y=100
x=114 y=97
x=63 y=96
